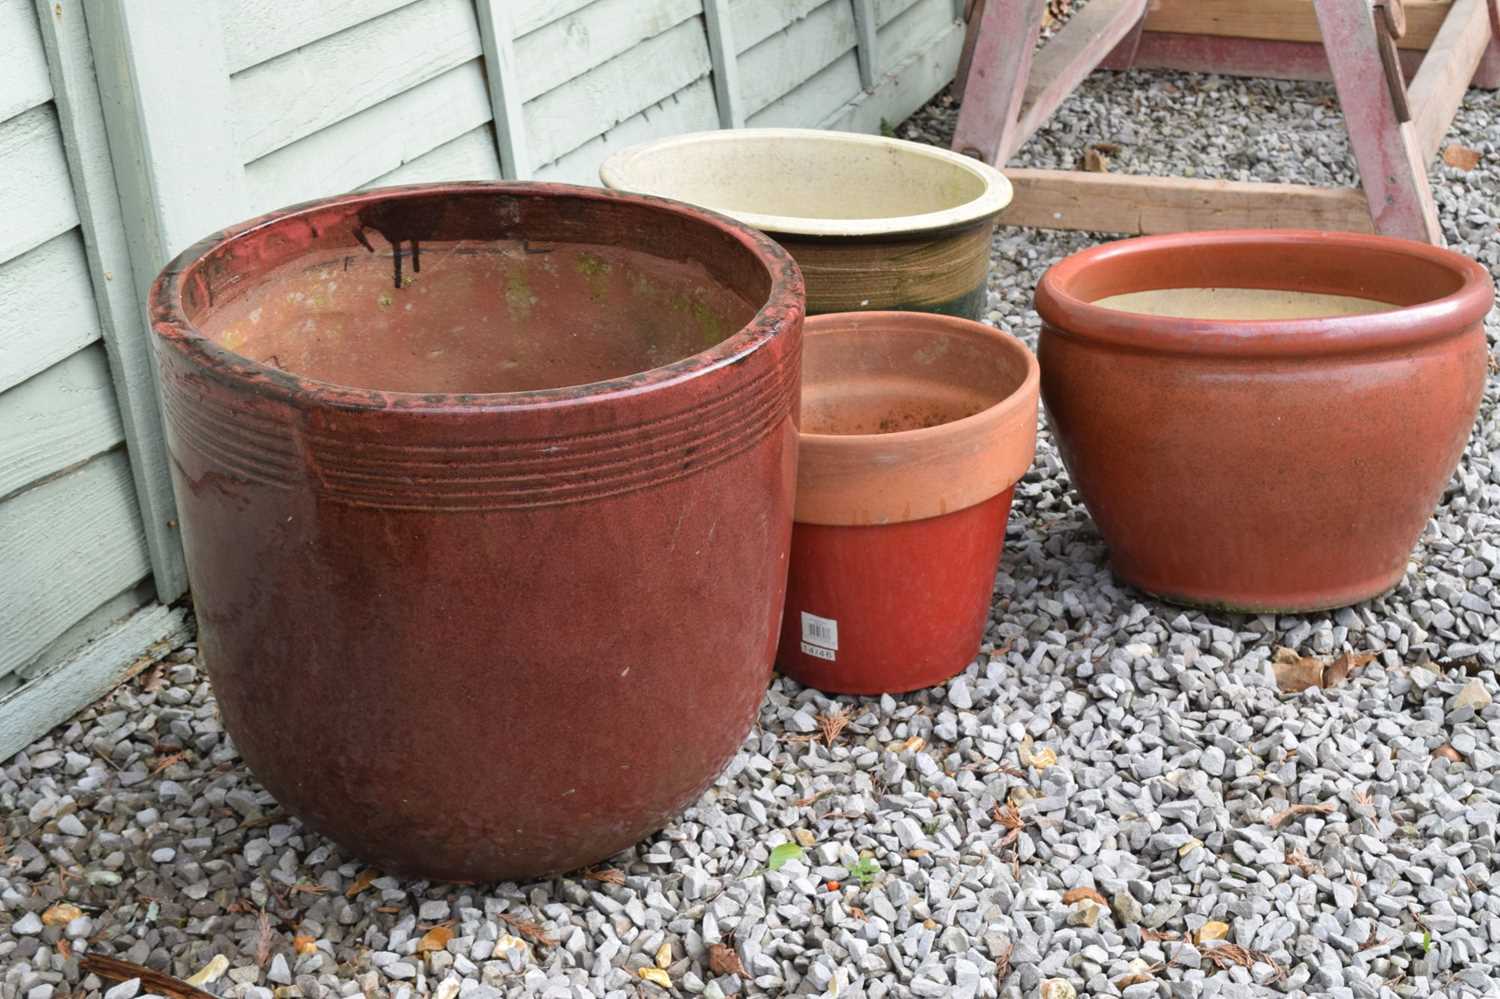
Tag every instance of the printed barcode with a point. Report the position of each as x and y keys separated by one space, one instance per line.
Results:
x=820 y=631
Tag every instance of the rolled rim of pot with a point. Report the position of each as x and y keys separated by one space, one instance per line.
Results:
x=814 y=182
x=863 y=386
x=1430 y=292
x=188 y=284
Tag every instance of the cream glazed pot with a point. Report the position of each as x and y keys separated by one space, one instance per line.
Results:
x=875 y=223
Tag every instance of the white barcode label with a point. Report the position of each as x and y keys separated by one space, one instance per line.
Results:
x=820 y=636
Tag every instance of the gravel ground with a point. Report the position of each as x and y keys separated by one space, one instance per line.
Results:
x=1114 y=799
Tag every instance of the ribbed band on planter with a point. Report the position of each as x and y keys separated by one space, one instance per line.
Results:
x=1263 y=464
x=578 y=582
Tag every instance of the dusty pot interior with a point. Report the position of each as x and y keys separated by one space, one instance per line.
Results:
x=1246 y=292
x=414 y=296
x=910 y=415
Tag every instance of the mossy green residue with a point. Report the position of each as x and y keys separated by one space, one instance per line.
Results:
x=518 y=294
x=385 y=301
x=595 y=271
x=710 y=324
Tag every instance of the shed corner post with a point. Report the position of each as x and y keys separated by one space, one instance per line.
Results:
x=497 y=37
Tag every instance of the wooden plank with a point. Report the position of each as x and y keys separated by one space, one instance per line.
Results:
x=35 y=199
x=374 y=142
x=1392 y=170
x=1254 y=57
x=691 y=109
x=756 y=20
x=565 y=118
x=63 y=416
x=989 y=116
x=46 y=308
x=913 y=30
x=23 y=69
x=91 y=169
x=902 y=90
x=1439 y=86
x=532 y=15
x=294 y=95
x=868 y=47
x=571 y=46
x=782 y=62
x=1278 y=20
x=503 y=77
x=1069 y=56
x=471 y=156
x=726 y=66
x=67 y=544
x=164 y=87
x=258 y=30
x=1121 y=203
x=887 y=11
x=93 y=670
x=814 y=99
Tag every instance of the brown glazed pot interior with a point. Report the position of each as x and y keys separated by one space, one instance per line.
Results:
x=472 y=294
x=1428 y=291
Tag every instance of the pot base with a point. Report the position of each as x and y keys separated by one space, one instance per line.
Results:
x=1309 y=603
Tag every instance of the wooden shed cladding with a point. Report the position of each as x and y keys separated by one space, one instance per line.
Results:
x=71 y=537
x=340 y=95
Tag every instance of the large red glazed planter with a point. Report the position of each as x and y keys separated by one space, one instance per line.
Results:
x=1262 y=420
x=486 y=492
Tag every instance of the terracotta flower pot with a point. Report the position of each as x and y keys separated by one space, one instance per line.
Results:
x=1262 y=420
x=915 y=429
x=876 y=223
x=486 y=491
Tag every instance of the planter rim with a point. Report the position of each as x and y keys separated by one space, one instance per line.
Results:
x=785 y=301
x=615 y=172
x=1069 y=314
x=906 y=475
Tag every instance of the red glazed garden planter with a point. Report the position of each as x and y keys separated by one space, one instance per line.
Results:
x=486 y=492
x=915 y=429
x=1262 y=420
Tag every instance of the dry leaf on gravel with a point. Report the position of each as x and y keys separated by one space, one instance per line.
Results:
x=1296 y=673
x=607 y=875
x=1139 y=972
x=831 y=724
x=655 y=976
x=1213 y=930
x=1008 y=816
x=435 y=939
x=61 y=914
x=1462 y=157
x=1002 y=963
x=366 y=879
x=530 y=930
x=1447 y=752
x=1074 y=894
x=1094 y=161
x=302 y=943
x=1321 y=808
x=210 y=972
x=722 y=960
